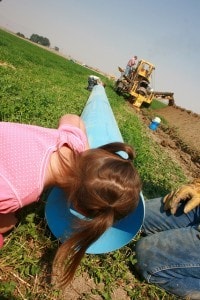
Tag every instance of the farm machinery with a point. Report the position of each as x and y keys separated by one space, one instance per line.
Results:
x=165 y=96
x=137 y=86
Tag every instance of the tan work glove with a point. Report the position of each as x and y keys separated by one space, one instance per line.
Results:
x=189 y=192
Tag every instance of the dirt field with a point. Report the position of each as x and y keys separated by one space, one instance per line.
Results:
x=179 y=136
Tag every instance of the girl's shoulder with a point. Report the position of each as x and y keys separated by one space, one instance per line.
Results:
x=74 y=137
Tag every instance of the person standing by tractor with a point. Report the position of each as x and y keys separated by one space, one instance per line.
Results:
x=130 y=65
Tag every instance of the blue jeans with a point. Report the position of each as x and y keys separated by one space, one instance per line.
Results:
x=169 y=254
x=127 y=70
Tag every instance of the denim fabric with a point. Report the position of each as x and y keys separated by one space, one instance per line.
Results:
x=127 y=70
x=169 y=256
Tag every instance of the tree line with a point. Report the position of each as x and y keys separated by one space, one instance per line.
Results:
x=38 y=39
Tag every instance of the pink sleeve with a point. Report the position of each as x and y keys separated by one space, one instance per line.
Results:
x=73 y=136
x=8 y=200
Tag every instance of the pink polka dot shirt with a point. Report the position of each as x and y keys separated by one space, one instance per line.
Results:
x=24 y=155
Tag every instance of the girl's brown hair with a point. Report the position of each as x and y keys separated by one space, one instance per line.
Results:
x=104 y=187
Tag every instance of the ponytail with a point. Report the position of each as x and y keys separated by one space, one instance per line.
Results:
x=104 y=187
x=74 y=248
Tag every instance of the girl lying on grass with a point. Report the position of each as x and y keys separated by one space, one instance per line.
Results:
x=99 y=183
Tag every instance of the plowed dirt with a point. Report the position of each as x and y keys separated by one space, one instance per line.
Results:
x=179 y=135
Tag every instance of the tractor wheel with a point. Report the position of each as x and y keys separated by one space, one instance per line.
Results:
x=142 y=91
x=171 y=102
x=131 y=99
x=118 y=87
x=145 y=104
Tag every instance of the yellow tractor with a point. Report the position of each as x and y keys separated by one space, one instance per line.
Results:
x=137 y=84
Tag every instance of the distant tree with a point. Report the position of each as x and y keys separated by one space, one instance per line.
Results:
x=56 y=48
x=20 y=34
x=44 y=41
x=40 y=40
x=34 y=38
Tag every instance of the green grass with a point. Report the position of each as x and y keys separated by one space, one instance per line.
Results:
x=37 y=87
x=156 y=104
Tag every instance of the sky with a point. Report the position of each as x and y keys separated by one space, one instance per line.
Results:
x=105 y=34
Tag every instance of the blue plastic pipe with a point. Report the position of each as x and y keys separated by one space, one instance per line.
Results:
x=102 y=128
x=101 y=125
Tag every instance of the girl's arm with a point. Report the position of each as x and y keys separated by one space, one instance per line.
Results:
x=73 y=120
x=7 y=222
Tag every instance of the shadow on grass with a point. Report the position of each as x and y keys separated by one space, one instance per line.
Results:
x=152 y=191
x=8 y=297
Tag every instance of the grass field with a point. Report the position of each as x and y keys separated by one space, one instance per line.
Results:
x=37 y=87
